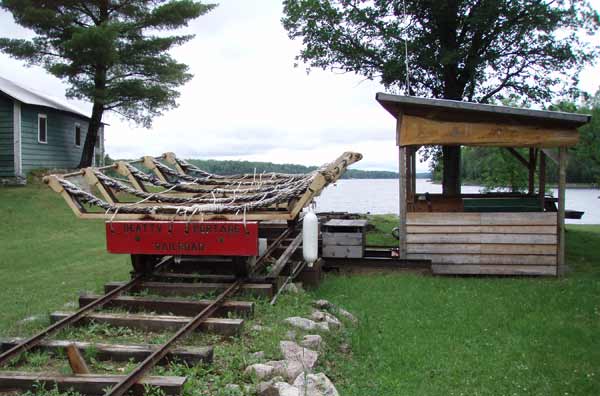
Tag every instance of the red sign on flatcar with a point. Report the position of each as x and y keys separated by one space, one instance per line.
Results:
x=178 y=238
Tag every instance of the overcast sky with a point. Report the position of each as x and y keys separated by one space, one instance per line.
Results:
x=247 y=101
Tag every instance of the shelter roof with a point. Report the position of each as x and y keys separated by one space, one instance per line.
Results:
x=449 y=110
x=423 y=121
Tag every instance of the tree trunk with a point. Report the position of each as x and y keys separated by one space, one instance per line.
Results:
x=87 y=155
x=451 y=171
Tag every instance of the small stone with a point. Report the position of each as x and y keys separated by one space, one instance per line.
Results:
x=265 y=388
x=257 y=327
x=345 y=348
x=294 y=288
x=315 y=385
x=322 y=304
x=320 y=316
x=290 y=335
x=312 y=341
x=281 y=389
x=347 y=315
x=294 y=352
x=260 y=371
x=258 y=355
x=301 y=323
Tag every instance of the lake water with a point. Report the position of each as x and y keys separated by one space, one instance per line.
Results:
x=380 y=196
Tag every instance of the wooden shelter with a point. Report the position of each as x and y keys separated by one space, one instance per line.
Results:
x=492 y=233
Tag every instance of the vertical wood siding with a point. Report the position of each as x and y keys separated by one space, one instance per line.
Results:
x=60 y=150
x=7 y=166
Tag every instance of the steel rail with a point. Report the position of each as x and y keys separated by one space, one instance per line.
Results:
x=132 y=378
x=73 y=318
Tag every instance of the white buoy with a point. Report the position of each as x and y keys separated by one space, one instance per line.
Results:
x=310 y=238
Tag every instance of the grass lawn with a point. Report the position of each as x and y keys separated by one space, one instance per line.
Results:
x=476 y=336
x=417 y=335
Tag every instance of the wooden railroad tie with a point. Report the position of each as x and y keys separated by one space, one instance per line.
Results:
x=193 y=289
x=121 y=353
x=86 y=384
x=174 y=306
x=222 y=326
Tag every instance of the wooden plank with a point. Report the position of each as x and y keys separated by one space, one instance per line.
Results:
x=343 y=251
x=76 y=361
x=193 y=289
x=491 y=218
x=419 y=130
x=461 y=248
x=343 y=238
x=493 y=270
x=121 y=353
x=424 y=218
x=562 y=182
x=518 y=156
x=86 y=384
x=346 y=223
x=483 y=259
x=330 y=174
x=222 y=326
x=163 y=305
x=530 y=218
x=529 y=239
x=285 y=257
x=474 y=229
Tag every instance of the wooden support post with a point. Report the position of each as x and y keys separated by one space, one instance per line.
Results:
x=402 y=202
x=542 y=180
x=76 y=361
x=531 y=167
x=562 y=181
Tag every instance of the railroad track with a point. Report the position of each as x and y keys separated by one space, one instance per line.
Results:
x=165 y=290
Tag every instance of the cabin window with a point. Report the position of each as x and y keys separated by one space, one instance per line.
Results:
x=42 y=128
x=77 y=135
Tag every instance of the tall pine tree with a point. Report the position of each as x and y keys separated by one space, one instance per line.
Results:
x=111 y=52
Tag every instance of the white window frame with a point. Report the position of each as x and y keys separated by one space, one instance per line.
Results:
x=77 y=125
x=45 y=117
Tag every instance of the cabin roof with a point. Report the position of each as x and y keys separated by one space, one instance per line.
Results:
x=31 y=97
x=453 y=110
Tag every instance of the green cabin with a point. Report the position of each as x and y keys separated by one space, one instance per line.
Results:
x=39 y=132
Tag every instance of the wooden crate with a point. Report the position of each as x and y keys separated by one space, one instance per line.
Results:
x=344 y=238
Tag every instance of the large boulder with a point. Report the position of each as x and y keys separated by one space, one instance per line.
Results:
x=315 y=385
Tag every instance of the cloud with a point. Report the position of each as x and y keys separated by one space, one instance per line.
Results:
x=247 y=101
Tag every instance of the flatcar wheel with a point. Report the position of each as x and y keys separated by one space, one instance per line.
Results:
x=143 y=263
x=240 y=266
